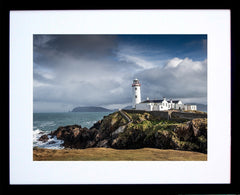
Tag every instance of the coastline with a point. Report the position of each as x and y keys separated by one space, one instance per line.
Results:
x=110 y=154
x=128 y=135
x=46 y=122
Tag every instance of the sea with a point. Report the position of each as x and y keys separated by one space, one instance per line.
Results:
x=44 y=123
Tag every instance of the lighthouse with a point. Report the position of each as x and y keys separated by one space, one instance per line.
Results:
x=136 y=93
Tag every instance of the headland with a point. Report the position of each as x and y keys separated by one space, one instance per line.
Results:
x=132 y=129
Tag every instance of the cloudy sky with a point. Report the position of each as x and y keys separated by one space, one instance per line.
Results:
x=97 y=70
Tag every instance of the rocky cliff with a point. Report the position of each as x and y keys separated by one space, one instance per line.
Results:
x=126 y=130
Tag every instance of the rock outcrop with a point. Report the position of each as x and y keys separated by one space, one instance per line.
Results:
x=74 y=136
x=43 y=138
x=142 y=130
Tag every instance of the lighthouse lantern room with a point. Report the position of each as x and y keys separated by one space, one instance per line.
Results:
x=136 y=93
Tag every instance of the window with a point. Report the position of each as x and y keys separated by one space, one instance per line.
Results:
x=135 y=88
x=135 y=96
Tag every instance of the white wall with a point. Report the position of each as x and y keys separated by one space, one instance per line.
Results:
x=142 y=106
x=193 y=107
x=152 y=106
x=164 y=106
x=136 y=95
x=190 y=107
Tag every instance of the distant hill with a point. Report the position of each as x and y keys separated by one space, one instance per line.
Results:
x=127 y=108
x=90 y=109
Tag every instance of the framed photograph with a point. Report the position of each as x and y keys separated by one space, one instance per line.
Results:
x=120 y=97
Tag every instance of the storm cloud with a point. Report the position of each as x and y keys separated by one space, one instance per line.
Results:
x=97 y=70
x=178 y=79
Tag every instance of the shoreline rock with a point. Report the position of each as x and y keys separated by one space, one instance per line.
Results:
x=144 y=130
x=44 y=138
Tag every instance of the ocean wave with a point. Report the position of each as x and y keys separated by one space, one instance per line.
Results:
x=89 y=123
x=47 y=124
x=51 y=143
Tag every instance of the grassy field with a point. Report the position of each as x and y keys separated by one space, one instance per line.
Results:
x=109 y=154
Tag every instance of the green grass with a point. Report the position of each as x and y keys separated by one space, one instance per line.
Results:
x=147 y=125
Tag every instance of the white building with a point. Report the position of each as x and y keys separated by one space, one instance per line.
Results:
x=190 y=107
x=136 y=93
x=175 y=104
x=155 y=105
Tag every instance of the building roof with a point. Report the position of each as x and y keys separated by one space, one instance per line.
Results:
x=174 y=101
x=152 y=101
x=159 y=101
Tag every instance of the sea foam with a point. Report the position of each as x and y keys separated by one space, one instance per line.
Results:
x=52 y=143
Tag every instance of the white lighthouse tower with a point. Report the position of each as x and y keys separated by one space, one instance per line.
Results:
x=136 y=93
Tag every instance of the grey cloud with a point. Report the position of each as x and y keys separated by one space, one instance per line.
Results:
x=81 y=82
x=187 y=80
x=49 y=47
x=85 y=70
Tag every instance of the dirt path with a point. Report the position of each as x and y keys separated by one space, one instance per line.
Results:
x=125 y=116
x=122 y=128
